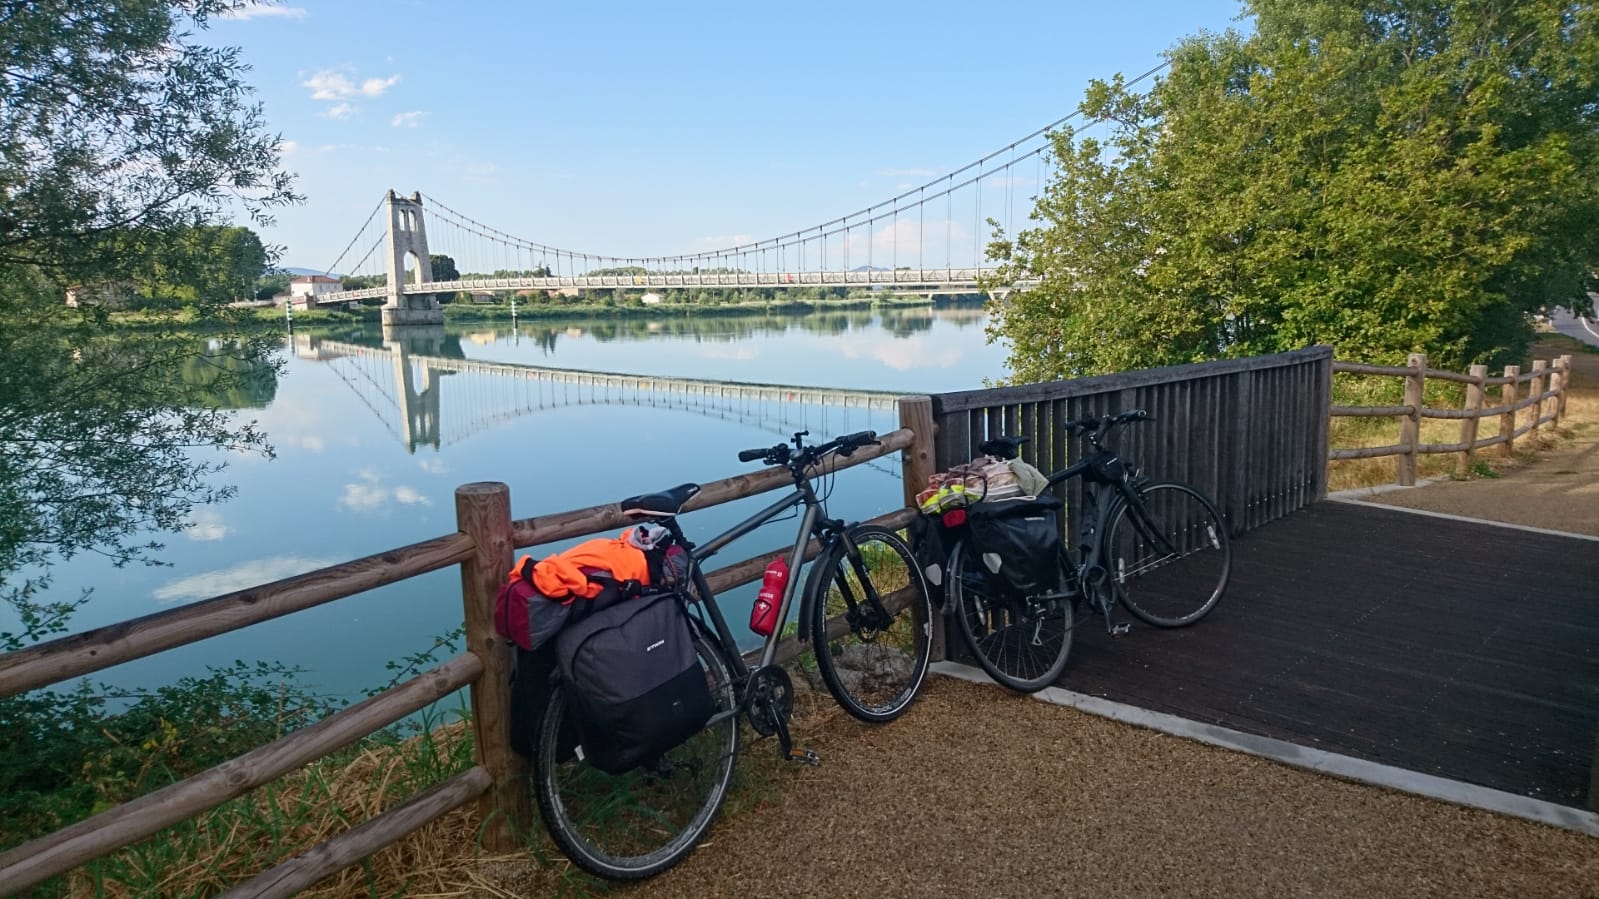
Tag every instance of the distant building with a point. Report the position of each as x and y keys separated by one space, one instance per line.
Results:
x=650 y=299
x=304 y=289
x=101 y=293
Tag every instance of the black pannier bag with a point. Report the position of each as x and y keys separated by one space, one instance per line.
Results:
x=1016 y=542
x=634 y=684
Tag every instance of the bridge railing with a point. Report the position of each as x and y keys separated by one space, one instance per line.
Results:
x=1546 y=395
x=1250 y=433
x=483 y=549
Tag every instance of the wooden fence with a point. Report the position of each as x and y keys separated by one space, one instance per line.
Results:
x=483 y=549
x=1250 y=433
x=1546 y=395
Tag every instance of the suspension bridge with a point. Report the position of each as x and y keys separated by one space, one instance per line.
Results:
x=931 y=239
x=403 y=383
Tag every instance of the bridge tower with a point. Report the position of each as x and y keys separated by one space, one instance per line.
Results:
x=408 y=237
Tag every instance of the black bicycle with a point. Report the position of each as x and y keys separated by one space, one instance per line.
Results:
x=866 y=611
x=1158 y=547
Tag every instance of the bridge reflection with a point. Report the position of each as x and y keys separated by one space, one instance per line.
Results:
x=401 y=381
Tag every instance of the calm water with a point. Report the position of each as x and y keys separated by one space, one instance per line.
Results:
x=355 y=475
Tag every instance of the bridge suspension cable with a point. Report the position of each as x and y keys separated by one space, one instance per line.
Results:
x=835 y=242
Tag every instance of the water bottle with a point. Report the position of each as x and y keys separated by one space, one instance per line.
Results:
x=763 y=618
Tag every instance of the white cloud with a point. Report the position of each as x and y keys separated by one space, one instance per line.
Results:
x=264 y=11
x=206 y=525
x=245 y=574
x=407 y=119
x=328 y=84
x=909 y=173
x=289 y=147
x=724 y=241
x=908 y=354
x=340 y=111
x=432 y=465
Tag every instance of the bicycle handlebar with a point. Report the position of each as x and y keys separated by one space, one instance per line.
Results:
x=1102 y=423
x=799 y=455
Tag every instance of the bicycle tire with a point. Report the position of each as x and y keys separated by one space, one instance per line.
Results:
x=637 y=824
x=1022 y=643
x=873 y=672
x=1177 y=584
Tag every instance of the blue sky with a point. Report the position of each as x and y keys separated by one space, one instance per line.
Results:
x=634 y=129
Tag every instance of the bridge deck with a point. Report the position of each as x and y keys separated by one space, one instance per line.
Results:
x=1462 y=650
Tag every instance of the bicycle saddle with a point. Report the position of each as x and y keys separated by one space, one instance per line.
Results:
x=664 y=504
x=1002 y=447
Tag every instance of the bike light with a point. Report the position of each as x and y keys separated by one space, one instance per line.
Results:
x=954 y=518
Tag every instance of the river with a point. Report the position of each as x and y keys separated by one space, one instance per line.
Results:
x=353 y=475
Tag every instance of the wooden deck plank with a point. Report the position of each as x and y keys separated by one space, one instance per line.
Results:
x=1458 y=649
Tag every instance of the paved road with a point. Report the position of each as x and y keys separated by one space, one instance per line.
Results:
x=1584 y=329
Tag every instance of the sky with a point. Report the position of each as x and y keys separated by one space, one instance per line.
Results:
x=636 y=129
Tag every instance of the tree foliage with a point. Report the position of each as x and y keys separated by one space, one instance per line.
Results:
x=1387 y=177
x=124 y=144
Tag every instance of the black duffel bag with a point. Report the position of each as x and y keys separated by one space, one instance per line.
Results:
x=1016 y=542
x=634 y=684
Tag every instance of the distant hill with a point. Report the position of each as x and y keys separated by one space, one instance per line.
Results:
x=295 y=270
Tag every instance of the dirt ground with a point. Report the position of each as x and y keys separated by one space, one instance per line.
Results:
x=977 y=792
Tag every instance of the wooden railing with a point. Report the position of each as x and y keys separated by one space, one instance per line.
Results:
x=1546 y=394
x=483 y=549
x=1250 y=433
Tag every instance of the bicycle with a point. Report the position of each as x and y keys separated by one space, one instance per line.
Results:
x=1157 y=547
x=866 y=611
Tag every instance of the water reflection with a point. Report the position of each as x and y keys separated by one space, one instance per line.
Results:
x=374 y=435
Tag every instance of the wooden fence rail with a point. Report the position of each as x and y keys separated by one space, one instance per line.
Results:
x=1546 y=394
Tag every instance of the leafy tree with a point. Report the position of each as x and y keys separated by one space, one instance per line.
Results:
x=273 y=284
x=123 y=144
x=1394 y=176
x=443 y=267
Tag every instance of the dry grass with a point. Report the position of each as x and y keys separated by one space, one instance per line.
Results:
x=1582 y=414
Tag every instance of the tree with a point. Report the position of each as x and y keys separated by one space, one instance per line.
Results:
x=123 y=144
x=443 y=267
x=1388 y=177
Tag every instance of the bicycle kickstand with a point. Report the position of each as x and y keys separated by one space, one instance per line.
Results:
x=786 y=744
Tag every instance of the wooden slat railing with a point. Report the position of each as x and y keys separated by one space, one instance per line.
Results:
x=1546 y=394
x=1250 y=433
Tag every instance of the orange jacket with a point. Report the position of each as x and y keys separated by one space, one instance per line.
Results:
x=560 y=577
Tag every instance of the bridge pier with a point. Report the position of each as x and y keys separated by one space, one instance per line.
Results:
x=408 y=238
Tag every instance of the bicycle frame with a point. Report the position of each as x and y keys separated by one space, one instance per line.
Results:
x=812 y=524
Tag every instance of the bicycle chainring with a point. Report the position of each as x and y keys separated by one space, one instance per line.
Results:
x=771 y=699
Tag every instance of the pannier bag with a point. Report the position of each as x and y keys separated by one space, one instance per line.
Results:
x=1017 y=542
x=634 y=684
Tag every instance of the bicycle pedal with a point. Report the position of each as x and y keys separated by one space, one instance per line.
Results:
x=804 y=756
x=1117 y=630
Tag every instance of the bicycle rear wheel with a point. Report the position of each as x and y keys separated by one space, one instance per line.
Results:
x=1169 y=560
x=873 y=667
x=1022 y=642
x=636 y=824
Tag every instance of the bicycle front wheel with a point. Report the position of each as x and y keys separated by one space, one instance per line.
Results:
x=1022 y=642
x=1169 y=555
x=872 y=657
x=636 y=824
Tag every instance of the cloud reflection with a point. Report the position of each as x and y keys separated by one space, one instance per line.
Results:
x=370 y=493
x=245 y=574
x=903 y=354
x=205 y=526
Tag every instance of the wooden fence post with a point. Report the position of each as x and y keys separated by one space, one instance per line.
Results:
x=1468 y=426
x=1410 y=425
x=916 y=466
x=1507 y=420
x=483 y=512
x=1563 y=367
x=1540 y=376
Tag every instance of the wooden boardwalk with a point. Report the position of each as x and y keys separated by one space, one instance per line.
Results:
x=1462 y=650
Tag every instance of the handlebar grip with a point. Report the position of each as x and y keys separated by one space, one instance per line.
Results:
x=859 y=438
x=751 y=455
